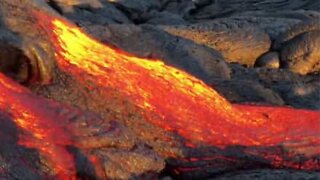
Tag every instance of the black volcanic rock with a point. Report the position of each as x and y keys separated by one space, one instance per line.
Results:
x=241 y=91
x=300 y=91
x=219 y=8
x=166 y=18
x=137 y=10
x=270 y=175
x=295 y=30
x=301 y=54
x=299 y=47
x=93 y=12
x=237 y=42
x=180 y=7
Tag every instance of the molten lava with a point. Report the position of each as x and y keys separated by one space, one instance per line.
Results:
x=184 y=104
x=37 y=120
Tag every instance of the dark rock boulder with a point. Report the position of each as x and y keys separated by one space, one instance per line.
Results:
x=269 y=60
x=94 y=12
x=137 y=10
x=300 y=91
x=292 y=31
x=299 y=47
x=166 y=18
x=201 y=3
x=301 y=54
x=182 y=8
x=240 y=91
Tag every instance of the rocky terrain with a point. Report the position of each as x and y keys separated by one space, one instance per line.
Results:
x=262 y=52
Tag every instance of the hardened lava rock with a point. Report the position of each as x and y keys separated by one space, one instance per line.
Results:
x=268 y=60
x=17 y=21
x=270 y=175
x=295 y=30
x=299 y=47
x=296 y=90
x=237 y=42
x=90 y=12
x=219 y=8
x=302 y=53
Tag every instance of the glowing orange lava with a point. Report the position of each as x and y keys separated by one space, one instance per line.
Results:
x=39 y=126
x=184 y=104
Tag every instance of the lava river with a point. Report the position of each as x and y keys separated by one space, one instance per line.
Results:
x=184 y=103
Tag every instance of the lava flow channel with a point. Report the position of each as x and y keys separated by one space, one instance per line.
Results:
x=184 y=103
x=39 y=124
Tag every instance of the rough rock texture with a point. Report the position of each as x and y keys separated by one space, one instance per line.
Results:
x=138 y=11
x=247 y=91
x=219 y=8
x=296 y=90
x=242 y=43
x=302 y=53
x=295 y=30
x=270 y=175
x=166 y=18
x=299 y=47
x=180 y=7
x=90 y=12
x=273 y=23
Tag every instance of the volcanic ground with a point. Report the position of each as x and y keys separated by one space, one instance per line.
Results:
x=159 y=89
